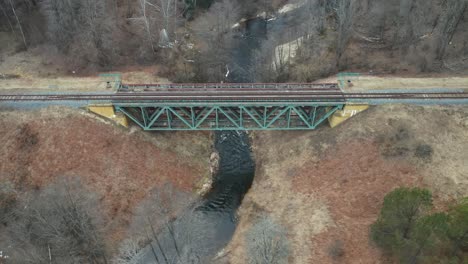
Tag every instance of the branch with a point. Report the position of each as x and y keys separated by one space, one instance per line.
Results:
x=19 y=24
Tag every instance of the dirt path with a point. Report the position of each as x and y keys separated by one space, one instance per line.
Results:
x=388 y=82
x=363 y=83
x=40 y=69
x=18 y=83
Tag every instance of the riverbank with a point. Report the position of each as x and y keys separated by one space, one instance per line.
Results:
x=326 y=186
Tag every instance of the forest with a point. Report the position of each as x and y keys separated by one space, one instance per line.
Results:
x=195 y=40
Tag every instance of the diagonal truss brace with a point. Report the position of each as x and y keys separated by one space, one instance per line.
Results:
x=287 y=117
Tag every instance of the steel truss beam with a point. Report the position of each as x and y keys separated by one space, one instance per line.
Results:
x=287 y=117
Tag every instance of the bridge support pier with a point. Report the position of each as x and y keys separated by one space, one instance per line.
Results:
x=108 y=111
x=228 y=117
x=346 y=113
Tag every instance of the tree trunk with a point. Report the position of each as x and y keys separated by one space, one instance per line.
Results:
x=19 y=24
x=8 y=19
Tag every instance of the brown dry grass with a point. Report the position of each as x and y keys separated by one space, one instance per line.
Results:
x=120 y=165
x=26 y=82
x=382 y=82
x=353 y=187
x=43 y=68
x=392 y=82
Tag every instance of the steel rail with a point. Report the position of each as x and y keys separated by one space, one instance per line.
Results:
x=146 y=90
x=233 y=85
x=174 y=94
x=232 y=97
x=225 y=93
x=276 y=93
x=235 y=95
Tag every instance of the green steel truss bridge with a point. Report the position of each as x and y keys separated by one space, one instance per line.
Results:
x=253 y=106
x=233 y=106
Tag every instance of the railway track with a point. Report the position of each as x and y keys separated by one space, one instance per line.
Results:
x=228 y=86
x=234 y=97
x=244 y=93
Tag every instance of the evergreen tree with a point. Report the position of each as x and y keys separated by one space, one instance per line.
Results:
x=400 y=212
x=457 y=231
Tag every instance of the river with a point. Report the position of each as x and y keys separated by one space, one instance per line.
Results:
x=199 y=234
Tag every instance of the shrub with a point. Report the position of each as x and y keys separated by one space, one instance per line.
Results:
x=336 y=250
x=58 y=223
x=424 y=151
x=457 y=230
x=8 y=200
x=267 y=243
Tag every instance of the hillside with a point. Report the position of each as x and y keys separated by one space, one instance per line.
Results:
x=120 y=166
x=326 y=186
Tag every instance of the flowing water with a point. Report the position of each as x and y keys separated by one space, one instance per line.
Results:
x=197 y=235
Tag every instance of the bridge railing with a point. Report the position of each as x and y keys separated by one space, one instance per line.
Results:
x=206 y=86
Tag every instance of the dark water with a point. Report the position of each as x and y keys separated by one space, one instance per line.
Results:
x=198 y=234
x=256 y=33
x=235 y=173
x=247 y=41
x=231 y=183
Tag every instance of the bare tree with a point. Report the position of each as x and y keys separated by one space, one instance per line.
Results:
x=59 y=224
x=5 y=14
x=82 y=29
x=214 y=30
x=62 y=21
x=452 y=14
x=10 y=5
x=167 y=9
x=158 y=20
x=272 y=61
x=267 y=243
x=130 y=252
x=8 y=202
x=18 y=23
x=321 y=16
x=168 y=229
x=405 y=29
x=265 y=61
x=144 y=19
x=344 y=15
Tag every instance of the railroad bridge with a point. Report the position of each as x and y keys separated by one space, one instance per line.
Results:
x=234 y=106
